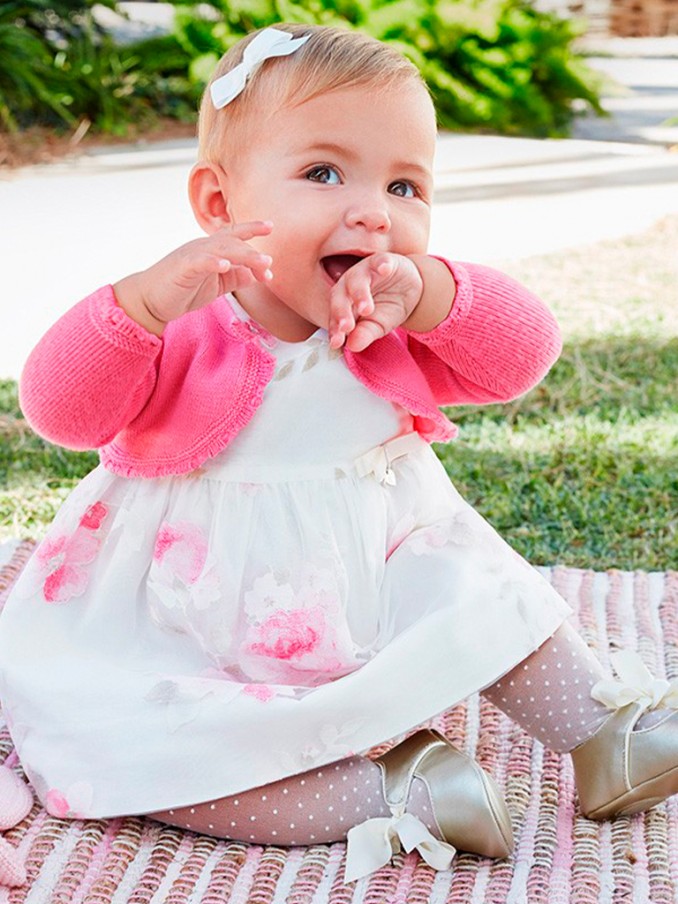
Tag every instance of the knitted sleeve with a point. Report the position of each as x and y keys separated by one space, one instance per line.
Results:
x=498 y=341
x=90 y=374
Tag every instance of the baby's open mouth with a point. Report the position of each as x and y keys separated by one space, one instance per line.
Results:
x=336 y=265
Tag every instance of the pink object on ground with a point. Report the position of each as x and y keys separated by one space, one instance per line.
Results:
x=12 y=869
x=16 y=802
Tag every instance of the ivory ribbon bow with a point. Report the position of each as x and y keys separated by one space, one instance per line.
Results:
x=636 y=685
x=271 y=42
x=372 y=844
x=378 y=460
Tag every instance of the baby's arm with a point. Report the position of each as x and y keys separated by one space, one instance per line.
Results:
x=478 y=335
x=89 y=375
x=193 y=275
x=385 y=291
x=497 y=342
x=95 y=369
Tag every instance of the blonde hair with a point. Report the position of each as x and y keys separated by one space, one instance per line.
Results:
x=332 y=58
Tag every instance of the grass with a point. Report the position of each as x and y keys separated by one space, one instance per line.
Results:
x=582 y=471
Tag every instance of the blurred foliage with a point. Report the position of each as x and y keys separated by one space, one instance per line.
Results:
x=59 y=68
x=492 y=65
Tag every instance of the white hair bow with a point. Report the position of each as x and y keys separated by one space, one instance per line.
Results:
x=636 y=685
x=372 y=844
x=271 y=42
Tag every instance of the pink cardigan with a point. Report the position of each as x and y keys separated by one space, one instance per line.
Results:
x=155 y=407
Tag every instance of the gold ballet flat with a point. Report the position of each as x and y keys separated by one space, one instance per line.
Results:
x=467 y=804
x=620 y=771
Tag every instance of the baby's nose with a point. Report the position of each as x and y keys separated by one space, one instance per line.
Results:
x=371 y=216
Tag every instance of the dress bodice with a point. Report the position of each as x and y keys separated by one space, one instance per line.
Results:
x=314 y=415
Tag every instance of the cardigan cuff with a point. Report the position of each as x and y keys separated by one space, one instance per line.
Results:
x=117 y=327
x=461 y=306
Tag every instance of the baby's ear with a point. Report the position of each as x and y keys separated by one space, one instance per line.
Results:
x=207 y=186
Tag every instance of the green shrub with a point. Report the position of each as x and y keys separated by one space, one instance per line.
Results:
x=492 y=65
x=58 y=68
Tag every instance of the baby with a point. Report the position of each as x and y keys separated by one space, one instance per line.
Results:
x=270 y=572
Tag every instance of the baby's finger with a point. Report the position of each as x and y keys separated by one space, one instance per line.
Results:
x=384 y=265
x=240 y=254
x=237 y=278
x=341 y=317
x=226 y=266
x=249 y=229
x=233 y=275
x=357 y=288
x=339 y=327
x=364 y=334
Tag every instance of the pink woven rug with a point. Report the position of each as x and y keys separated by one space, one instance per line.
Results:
x=559 y=857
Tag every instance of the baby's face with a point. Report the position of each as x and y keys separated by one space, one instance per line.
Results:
x=341 y=176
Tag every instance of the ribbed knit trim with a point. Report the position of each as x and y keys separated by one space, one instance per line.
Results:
x=461 y=307
x=258 y=368
x=117 y=327
x=443 y=429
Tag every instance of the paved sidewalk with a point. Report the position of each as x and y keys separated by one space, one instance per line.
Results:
x=70 y=227
x=642 y=96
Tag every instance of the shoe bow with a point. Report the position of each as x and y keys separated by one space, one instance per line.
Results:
x=372 y=844
x=636 y=684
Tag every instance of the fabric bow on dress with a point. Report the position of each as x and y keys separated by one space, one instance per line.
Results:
x=378 y=461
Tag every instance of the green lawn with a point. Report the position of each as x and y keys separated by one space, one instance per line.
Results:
x=582 y=471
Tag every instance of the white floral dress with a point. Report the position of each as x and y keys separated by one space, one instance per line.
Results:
x=304 y=596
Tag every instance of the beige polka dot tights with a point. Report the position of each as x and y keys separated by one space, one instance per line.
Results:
x=548 y=694
x=313 y=808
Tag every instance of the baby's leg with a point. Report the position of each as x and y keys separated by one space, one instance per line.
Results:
x=549 y=693
x=625 y=760
x=315 y=807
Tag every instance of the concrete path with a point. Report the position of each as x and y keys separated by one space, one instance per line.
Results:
x=642 y=96
x=70 y=227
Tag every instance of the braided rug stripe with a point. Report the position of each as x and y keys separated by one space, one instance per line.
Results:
x=559 y=857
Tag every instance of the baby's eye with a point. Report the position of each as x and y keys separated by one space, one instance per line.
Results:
x=403 y=189
x=327 y=175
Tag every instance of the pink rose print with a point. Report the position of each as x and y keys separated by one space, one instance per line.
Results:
x=73 y=804
x=289 y=635
x=298 y=633
x=61 y=560
x=182 y=574
x=56 y=804
x=183 y=548
x=94 y=516
x=261 y=692
x=455 y=532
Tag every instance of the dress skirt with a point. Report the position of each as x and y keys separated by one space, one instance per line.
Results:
x=316 y=589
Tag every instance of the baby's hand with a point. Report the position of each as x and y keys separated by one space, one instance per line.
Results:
x=195 y=274
x=372 y=298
